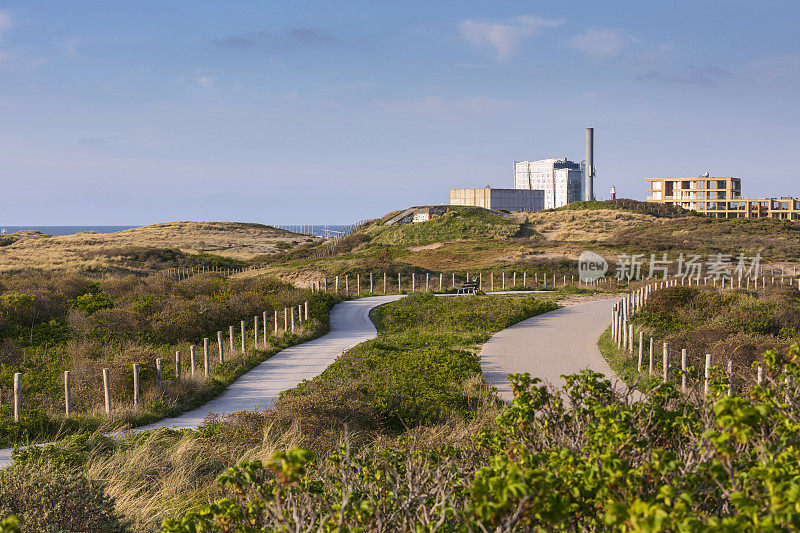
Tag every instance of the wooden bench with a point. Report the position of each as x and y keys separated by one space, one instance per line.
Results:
x=469 y=287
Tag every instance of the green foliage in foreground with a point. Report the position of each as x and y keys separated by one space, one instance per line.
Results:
x=424 y=356
x=595 y=462
x=54 y=498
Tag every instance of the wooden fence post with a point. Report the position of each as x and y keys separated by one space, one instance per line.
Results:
x=221 y=347
x=453 y=286
x=413 y=282
x=244 y=337
x=398 y=283
x=276 y=322
x=384 y=283
x=255 y=332
x=760 y=375
x=291 y=315
x=67 y=394
x=177 y=365
x=306 y=307
x=370 y=283
x=206 y=365
x=707 y=373
x=285 y=319
x=232 y=339
x=504 y=280
x=683 y=370
x=665 y=362
x=641 y=351
x=427 y=281
x=107 y=390
x=358 y=284
x=440 y=281
x=652 y=349
x=631 y=338
x=347 y=284
x=264 y=329
x=191 y=360
x=135 y=385
x=17 y=395
x=159 y=376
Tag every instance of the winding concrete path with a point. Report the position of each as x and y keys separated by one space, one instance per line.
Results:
x=259 y=388
x=548 y=346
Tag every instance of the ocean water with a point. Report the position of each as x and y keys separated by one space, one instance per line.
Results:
x=66 y=230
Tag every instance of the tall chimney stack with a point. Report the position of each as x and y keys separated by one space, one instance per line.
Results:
x=588 y=190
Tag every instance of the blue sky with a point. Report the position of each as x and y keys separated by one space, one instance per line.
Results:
x=330 y=112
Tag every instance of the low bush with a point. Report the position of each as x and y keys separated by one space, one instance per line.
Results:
x=734 y=324
x=420 y=368
x=50 y=323
x=580 y=458
x=52 y=497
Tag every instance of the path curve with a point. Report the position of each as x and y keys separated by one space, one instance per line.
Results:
x=259 y=388
x=549 y=345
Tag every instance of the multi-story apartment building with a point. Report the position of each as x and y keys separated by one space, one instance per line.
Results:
x=719 y=198
x=560 y=179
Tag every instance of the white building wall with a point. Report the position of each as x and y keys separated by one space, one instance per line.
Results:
x=560 y=186
x=507 y=199
x=517 y=199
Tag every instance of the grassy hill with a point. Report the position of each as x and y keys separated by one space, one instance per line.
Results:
x=471 y=238
x=144 y=249
x=464 y=238
x=458 y=223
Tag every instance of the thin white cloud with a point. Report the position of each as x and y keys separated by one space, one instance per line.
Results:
x=204 y=80
x=503 y=39
x=600 y=44
x=5 y=21
x=776 y=70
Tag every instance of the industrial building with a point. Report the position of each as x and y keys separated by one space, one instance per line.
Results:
x=543 y=184
x=497 y=199
x=719 y=198
x=560 y=180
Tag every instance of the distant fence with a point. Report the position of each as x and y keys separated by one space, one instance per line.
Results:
x=328 y=249
x=186 y=272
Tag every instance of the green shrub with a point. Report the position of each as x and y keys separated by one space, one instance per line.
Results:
x=91 y=302
x=579 y=458
x=420 y=335
x=56 y=498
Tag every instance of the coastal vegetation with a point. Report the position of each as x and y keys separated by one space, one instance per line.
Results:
x=50 y=323
x=370 y=397
x=731 y=325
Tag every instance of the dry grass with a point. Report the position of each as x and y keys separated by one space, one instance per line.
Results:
x=163 y=473
x=587 y=226
x=92 y=251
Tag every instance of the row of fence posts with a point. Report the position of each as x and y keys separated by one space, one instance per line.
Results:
x=329 y=248
x=341 y=284
x=623 y=333
x=186 y=272
x=302 y=312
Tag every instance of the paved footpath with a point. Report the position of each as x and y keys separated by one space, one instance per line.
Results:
x=546 y=346
x=259 y=388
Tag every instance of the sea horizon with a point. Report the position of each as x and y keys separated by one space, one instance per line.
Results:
x=316 y=229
